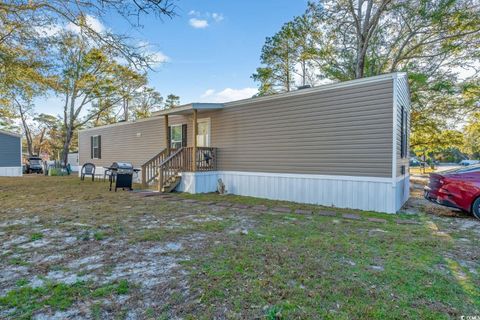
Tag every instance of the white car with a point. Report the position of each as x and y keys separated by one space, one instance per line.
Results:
x=468 y=162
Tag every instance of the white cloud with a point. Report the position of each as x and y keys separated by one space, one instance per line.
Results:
x=228 y=94
x=217 y=16
x=159 y=57
x=198 y=23
x=91 y=21
x=208 y=93
x=56 y=29
x=201 y=20
x=49 y=31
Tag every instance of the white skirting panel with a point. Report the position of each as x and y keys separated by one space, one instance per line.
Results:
x=11 y=171
x=364 y=193
x=402 y=190
x=198 y=182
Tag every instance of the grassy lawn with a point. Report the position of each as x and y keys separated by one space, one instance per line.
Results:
x=72 y=249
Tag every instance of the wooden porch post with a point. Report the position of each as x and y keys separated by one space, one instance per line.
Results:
x=194 y=149
x=167 y=144
x=160 y=180
x=144 y=176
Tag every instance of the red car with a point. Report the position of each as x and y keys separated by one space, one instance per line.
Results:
x=458 y=188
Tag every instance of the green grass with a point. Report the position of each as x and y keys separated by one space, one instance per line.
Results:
x=18 y=262
x=36 y=236
x=119 y=288
x=25 y=300
x=96 y=311
x=21 y=282
x=315 y=268
x=99 y=235
x=236 y=199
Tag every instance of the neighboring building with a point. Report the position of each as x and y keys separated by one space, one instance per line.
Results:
x=343 y=144
x=72 y=159
x=10 y=154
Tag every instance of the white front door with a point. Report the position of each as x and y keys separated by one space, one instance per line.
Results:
x=203 y=136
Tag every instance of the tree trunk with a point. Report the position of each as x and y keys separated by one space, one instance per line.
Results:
x=29 y=143
x=40 y=141
x=66 y=145
x=126 y=109
x=26 y=129
x=360 y=65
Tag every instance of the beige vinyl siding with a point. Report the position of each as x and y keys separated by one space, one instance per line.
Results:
x=343 y=131
x=403 y=98
x=134 y=142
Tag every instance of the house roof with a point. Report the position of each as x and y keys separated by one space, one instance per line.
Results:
x=187 y=108
x=323 y=87
x=10 y=133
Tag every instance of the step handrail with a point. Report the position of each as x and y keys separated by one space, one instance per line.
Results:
x=172 y=155
x=150 y=168
x=170 y=167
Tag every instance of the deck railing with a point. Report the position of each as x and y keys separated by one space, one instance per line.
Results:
x=164 y=167
x=150 y=168
x=206 y=159
x=182 y=161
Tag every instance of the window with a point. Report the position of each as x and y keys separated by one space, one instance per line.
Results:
x=96 y=146
x=176 y=136
x=404 y=133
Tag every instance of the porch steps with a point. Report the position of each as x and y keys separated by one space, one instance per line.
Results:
x=164 y=169
x=171 y=184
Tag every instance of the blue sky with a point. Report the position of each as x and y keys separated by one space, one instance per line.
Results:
x=211 y=48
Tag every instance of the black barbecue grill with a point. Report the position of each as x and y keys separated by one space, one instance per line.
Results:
x=122 y=174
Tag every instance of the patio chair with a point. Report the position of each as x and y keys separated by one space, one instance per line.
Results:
x=88 y=169
x=108 y=173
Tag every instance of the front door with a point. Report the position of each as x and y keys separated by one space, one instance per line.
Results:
x=203 y=136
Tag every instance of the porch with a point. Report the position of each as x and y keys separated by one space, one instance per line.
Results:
x=165 y=169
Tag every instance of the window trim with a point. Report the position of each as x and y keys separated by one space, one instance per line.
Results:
x=96 y=155
x=180 y=142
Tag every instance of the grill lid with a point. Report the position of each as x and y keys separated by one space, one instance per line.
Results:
x=122 y=165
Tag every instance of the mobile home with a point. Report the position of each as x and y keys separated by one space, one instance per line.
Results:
x=10 y=154
x=342 y=144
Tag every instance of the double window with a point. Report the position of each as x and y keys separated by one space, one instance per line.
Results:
x=404 y=133
x=96 y=147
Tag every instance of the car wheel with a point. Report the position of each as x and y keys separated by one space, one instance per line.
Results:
x=476 y=208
